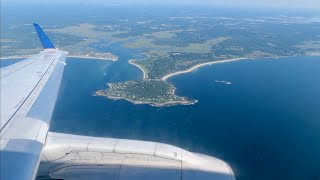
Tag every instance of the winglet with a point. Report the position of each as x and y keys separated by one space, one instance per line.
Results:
x=46 y=43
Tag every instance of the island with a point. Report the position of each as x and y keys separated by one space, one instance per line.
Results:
x=150 y=91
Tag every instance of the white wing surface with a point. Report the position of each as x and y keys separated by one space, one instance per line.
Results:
x=71 y=157
x=28 y=94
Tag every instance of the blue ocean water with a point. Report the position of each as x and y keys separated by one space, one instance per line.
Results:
x=8 y=62
x=266 y=124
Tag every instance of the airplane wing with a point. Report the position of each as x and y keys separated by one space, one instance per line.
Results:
x=28 y=94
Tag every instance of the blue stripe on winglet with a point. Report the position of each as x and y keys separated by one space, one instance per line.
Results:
x=46 y=43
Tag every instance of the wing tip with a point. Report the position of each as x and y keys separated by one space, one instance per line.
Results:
x=46 y=43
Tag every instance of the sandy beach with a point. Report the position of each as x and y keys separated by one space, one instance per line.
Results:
x=198 y=66
x=143 y=70
x=91 y=57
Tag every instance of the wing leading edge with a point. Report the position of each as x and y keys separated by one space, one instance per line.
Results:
x=28 y=93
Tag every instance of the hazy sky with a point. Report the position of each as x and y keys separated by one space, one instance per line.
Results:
x=249 y=3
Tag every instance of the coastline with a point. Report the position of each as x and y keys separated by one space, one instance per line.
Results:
x=198 y=66
x=169 y=103
x=164 y=78
x=92 y=57
x=137 y=65
x=141 y=68
x=146 y=54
